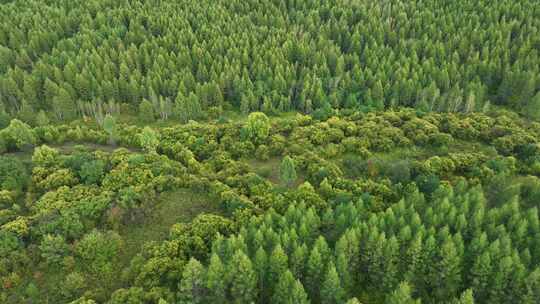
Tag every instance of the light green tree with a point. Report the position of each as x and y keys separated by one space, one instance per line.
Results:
x=287 y=171
x=192 y=286
x=243 y=280
x=42 y=119
x=215 y=279
x=64 y=105
x=331 y=290
x=402 y=295
x=146 y=112
x=149 y=140
x=109 y=125
x=17 y=135
x=257 y=127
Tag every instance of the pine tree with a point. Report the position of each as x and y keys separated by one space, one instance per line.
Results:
x=187 y=108
x=63 y=105
x=314 y=274
x=146 y=112
x=466 y=297
x=391 y=275
x=413 y=260
x=298 y=294
x=194 y=106
x=480 y=275
x=26 y=113
x=283 y=290
x=243 y=280
x=261 y=268
x=331 y=290
x=277 y=264
x=42 y=119
x=109 y=125
x=191 y=289
x=298 y=261
x=377 y=93
x=449 y=271
x=287 y=171
x=215 y=280
x=402 y=295
x=532 y=110
x=532 y=285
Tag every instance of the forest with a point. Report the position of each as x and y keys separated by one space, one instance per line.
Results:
x=279 y=151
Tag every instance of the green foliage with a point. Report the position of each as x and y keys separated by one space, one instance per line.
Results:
x=146 y=112
x=92 y=172
x=331 y=290
x=42 y=119
x=63 y=105
x=380 y=205
x=345 y=60
x=287 y=171
x=73 y=285
x=187 y=108
x=257 y=127
x=53 y=249
x=149 y=140
x=242 y=279
x=17 y=136
x=97 y=252
x=215 y=279
x=532 y=109
x=402 y=295
x=109 y=125
x=13 y=174
x=191 y=289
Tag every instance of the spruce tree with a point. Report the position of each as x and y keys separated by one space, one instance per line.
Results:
x=109 y=125
x=42 y=119
x=192 y=285
x=532 y=110
x=277 y=264
x=466 y=297
x=449 y=271
x=283 y=290
x=243 y=279
x=287 y=171
x=146 y=112
x=331 y=289
x=402 y=295
x=216 y=279
x=314 y=274
x=63 y=105
x=261 y=268
x=481 y=273
x=298 y=294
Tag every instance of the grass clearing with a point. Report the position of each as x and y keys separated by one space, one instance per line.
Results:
x=179 y=206
x=269 y=169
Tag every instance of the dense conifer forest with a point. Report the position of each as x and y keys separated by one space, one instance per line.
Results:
x=278 y=151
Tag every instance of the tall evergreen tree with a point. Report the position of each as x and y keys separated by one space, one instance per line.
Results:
x=63 y=105
x=287 y=171
x=146 y=112
x=402 y=295
x=216 y=279
x=243 y=279
x=192 y=285
x=331 y=290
